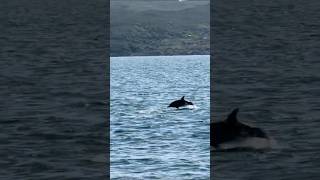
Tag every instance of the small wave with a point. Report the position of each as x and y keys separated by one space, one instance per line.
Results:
x=149 y=111
x=101 y=158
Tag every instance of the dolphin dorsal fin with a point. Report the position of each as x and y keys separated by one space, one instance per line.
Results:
x=232 y=118
x=182 y=98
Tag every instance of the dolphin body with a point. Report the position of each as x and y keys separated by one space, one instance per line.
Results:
x=231 y=129
x=179 y=103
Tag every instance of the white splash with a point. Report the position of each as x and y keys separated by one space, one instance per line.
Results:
x=189 y=107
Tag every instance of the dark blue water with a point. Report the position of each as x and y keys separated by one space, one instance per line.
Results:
x=148 y=139
x=53 y=89
x=266 y=62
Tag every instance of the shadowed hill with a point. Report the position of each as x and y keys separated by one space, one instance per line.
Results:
x=159 y=28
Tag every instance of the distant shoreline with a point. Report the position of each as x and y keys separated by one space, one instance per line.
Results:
x=148 y=31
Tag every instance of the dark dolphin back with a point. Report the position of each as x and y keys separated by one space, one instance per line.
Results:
x=180 y=102
x=232 y=118
x=226 y=130
x=221 y=132
x=252 y=131
x=175 y=104
x=231 y=129
x=188 y=103
x=257 y=132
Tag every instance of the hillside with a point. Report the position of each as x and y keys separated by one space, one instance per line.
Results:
x=159 y=28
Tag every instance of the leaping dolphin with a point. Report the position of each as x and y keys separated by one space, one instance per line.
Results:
x=179 y=103
x=231 y=129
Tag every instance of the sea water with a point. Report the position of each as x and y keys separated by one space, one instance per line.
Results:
x=148 y=139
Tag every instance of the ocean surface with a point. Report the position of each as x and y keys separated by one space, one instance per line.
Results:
x=148 y=139
x=266 y=62
x=53 y=90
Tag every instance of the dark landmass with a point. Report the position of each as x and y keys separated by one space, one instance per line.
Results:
x=159 y=28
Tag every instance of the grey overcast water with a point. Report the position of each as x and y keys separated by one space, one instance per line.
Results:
x=53 y=61
x=148 y=139
x=266 y=62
